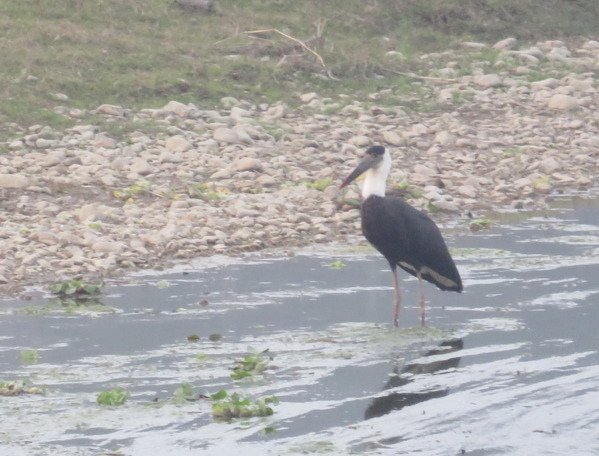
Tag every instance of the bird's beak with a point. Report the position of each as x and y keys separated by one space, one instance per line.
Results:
x=367 y=162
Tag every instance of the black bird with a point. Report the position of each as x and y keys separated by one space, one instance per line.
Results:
x=405 y=236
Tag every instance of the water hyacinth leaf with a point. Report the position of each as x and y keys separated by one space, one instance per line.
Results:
x=201 y=357
x=29 y=356
x=480 y=224
x=113 y=397
x=184 y=393
x=337 y=264
x=163 y=284
x=252 y=364
x=226 y=407
x=75 y=287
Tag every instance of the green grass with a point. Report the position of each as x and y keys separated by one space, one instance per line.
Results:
x=143 y=53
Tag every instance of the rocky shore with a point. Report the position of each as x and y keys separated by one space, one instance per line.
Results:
x=126 y=189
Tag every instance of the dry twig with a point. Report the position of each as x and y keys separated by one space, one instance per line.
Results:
x=425 y=78
x=300 y=42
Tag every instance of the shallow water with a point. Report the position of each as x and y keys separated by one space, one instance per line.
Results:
x=509 y=367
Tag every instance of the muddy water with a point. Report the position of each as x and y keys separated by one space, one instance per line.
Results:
x=509 y=367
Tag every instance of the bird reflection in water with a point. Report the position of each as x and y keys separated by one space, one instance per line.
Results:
x=396 y=401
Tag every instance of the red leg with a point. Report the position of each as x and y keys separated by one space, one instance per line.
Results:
x=422 y=301
x=397 y=298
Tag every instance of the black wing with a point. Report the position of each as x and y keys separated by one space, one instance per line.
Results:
x=424 y=248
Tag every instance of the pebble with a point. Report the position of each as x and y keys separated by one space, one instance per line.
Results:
x=223 y=182
x=175 y=107
x=247 y=164
x=141 y=167
x=507 y=43
x=111 y=110
x=226 y=135
x=562 y=102
x=488 y=80
x=14 y=181
x=177 y=143
x=393 y=138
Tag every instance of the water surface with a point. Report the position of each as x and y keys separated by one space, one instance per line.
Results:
x=509 y=367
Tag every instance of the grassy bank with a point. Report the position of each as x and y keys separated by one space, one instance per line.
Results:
x=142 y=53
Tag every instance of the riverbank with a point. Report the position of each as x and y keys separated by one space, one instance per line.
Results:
x=486 y=127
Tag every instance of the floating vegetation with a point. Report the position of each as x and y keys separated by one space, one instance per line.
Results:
x=480 y=224
x=29 y=356
x=193 y=338
x=215 y=337
x=18 y=387
x=78 y=306
x=201 y=357
x=113 y=397
x=184 y=393
x=253 y=364
x=75 y=287
x=228 y=406
x=163 y=284
x=337 y=264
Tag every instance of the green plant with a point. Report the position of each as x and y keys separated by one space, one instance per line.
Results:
x=227 y=406
x=184 y=393
x=513 y=151
x=207 y=192
x=29 y=356
x=320 y=184
x=17 y=387
x=133 y=191
x=480 y=224
x=113 y=397
x=252 y=364
x=75 y=287
x=162 y=284
x=337 y=264
x=432 y=207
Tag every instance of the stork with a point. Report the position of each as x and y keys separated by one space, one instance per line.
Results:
x=405 y=236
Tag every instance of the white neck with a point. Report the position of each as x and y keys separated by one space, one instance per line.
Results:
x=376 y=178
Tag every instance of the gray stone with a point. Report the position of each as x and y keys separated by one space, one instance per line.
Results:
x=507 y=43
x=177 y=143
x=14 y=181
x=43 y=143
x=549 y=165
x=562 y=102
x=308 y=97
x=141 y=167
x=175 y=107
x=360 y=141
x=111 y=110
x=275 y=112
x=226 y=135
x=247 y=164
x=45 y=237
x=393 y=138
x=488 y=80
x=101 y=140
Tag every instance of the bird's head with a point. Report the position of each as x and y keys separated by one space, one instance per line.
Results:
x=375 y=158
